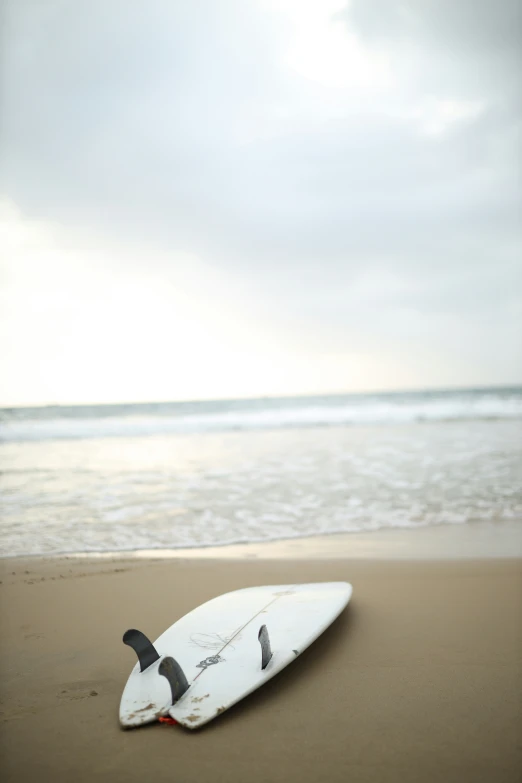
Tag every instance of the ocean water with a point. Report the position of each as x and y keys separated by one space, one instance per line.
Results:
x=172 y=475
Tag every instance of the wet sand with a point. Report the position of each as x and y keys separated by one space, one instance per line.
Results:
x=420 y=679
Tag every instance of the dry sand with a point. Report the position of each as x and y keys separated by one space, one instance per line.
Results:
x=419 y=680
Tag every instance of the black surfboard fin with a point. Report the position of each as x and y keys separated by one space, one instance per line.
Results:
x=142 y=646
x=266 y=651
x=171 y=669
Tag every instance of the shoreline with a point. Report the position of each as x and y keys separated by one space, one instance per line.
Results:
x=454 y=541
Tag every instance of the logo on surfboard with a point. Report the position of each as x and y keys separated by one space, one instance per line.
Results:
x=210 y=661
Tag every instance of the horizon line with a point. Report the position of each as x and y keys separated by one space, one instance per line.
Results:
x=414 y=390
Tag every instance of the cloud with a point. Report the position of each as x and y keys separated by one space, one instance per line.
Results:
x=342 y=164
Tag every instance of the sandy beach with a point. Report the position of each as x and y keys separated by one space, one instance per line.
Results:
x=420 y=679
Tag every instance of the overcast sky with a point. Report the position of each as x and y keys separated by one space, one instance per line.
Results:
x=219 y=198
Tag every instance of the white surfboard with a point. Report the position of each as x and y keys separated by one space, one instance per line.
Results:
x=225 y=649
